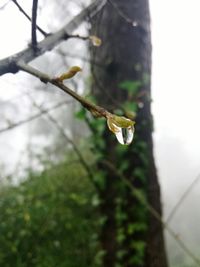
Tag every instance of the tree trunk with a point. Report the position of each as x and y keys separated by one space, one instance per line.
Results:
x=130 y=235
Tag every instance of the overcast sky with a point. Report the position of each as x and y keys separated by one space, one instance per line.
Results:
x=176 y=88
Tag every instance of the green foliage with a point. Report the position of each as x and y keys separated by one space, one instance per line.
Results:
x=48 y=220
x=146 y=78
x=81 y=114
x=131 y=86
x=130 y=212
x=138 y=257
x=131 y=106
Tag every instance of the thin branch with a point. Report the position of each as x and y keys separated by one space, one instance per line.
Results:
x=133 y=23
x=122 y=15
x=77 y=36
x=8 y=65
x=29 y=18
x=4 y=5
x=83 y=58
x=33 y=117
x=33 y=25
x=106 y=92
x=94 y=109
x=139 y=196
x=63 y=133
x=185 y=194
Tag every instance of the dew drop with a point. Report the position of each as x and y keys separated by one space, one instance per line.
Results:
x=135 y=23
x=140 y=104
x=125 y=135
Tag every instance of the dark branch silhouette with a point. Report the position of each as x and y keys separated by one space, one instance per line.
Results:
x=28 y=17
x=33 y=25
x=9 y=64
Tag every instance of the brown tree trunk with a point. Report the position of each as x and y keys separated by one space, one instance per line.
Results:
x=125 y=55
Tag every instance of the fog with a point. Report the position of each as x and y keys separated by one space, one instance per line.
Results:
x=176 y=109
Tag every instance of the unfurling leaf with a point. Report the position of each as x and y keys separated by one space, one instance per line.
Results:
x=69 y=74
x=122 y=127
x=96 y=41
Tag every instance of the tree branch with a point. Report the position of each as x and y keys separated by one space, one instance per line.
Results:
x=29 y=18
x=94 y=109
x=8 y=65
x=69 y=140
x=33 y=25
x=4 y=5
x=33 y=117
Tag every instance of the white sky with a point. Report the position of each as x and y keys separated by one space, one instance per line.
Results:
x=176 y=69
x=176 y=83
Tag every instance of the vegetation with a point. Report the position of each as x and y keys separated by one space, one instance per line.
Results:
x=49 y=220
x=72 y=215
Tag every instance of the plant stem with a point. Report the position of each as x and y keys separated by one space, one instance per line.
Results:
x=94 y=109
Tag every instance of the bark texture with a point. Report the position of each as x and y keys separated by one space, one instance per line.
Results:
x=125 y=55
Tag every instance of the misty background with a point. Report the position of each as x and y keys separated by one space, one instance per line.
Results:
x=176 y=109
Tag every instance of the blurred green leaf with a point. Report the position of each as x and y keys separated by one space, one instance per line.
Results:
x=81 y=114
x=131 y=86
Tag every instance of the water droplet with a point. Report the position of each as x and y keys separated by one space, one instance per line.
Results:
x=125 y=135
x=135 y=23
x=140 y=104
x=122 y=127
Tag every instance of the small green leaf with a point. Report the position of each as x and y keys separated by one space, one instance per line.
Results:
x=131 y=106
x=131 y=86
x=146 y=78
x=80 y=114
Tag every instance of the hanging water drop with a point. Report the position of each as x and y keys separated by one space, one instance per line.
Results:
x=125 y=135
x=122 y=127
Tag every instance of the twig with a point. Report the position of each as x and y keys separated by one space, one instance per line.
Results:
x=29 y=18
x=63 y=133
x=4 y=5
x=99 y=111
x=33 y=117
x=133 y=23
x=8 y=65
x=105 y=91
x=120 y=13
x=136 y=192
x=77 y=36
x=83 y=58
x=185 y=194
x=33 y=25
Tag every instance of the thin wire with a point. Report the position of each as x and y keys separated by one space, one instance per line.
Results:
x=63 y=133
x=33 y=117
x=182 y=198
x=151 y=209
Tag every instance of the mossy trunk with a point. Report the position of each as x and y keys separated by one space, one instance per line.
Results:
x=130 y=236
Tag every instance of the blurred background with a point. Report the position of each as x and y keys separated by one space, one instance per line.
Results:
x=37 y=201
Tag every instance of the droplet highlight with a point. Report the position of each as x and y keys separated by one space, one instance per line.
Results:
x=125 y=135
x=135 y=23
